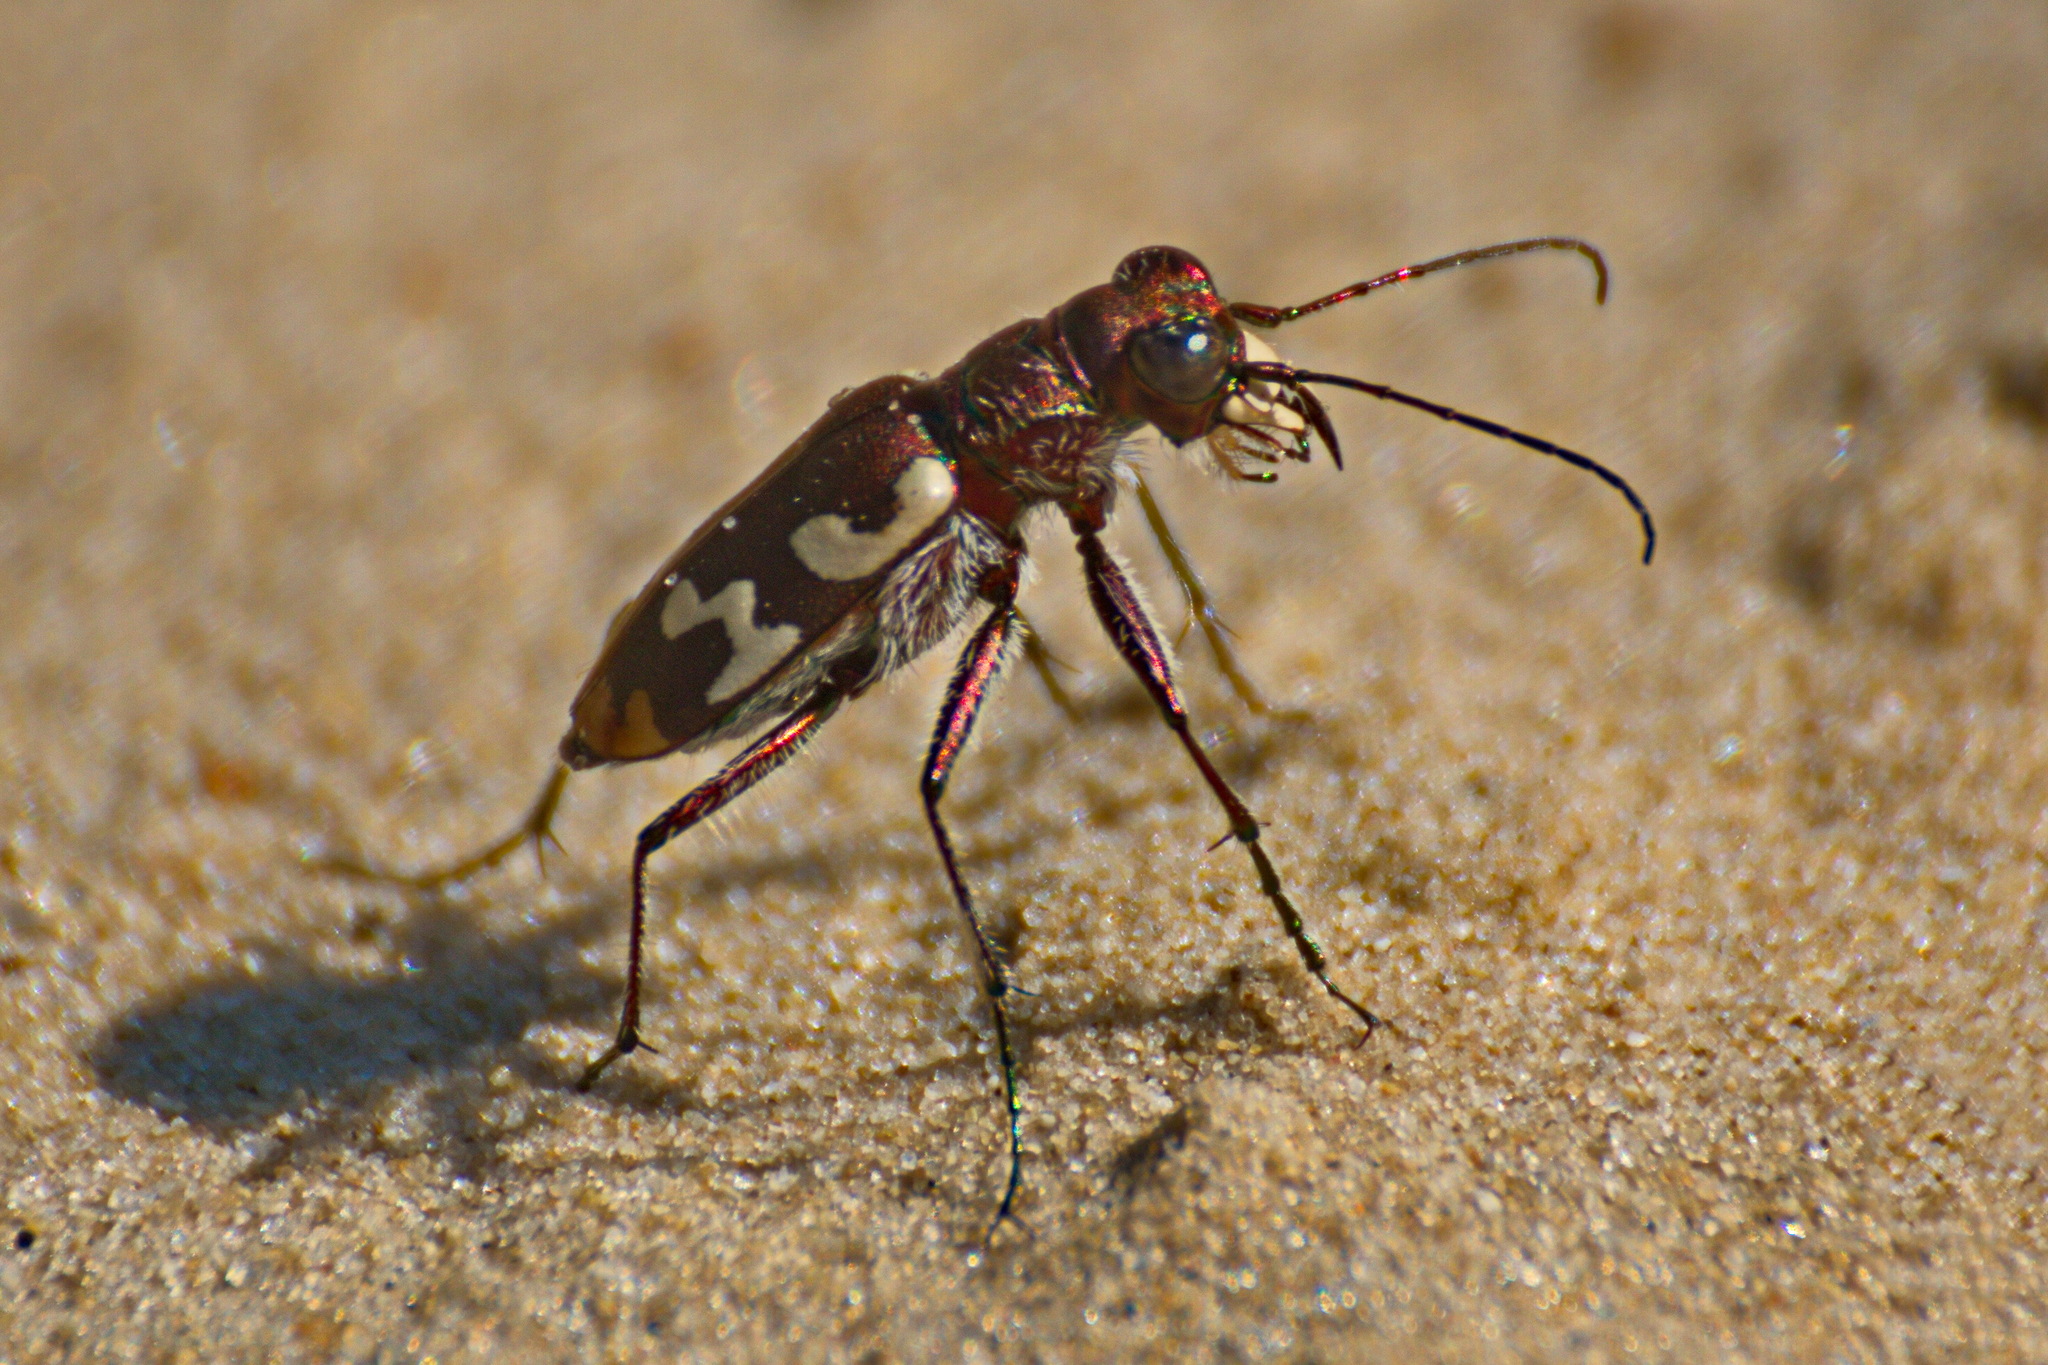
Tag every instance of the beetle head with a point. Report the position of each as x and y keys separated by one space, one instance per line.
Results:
x=1156 y=342
x=1158 y=345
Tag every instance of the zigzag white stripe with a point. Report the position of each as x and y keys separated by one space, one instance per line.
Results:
x=755 y=649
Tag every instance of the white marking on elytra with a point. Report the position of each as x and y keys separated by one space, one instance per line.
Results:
x=830 y=548
x=1257 y=403
x=755 y=649
x=728 y=523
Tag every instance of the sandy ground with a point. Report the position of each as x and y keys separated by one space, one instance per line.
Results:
x=357 y=359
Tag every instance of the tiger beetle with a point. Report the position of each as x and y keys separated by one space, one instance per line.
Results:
x=900 y=514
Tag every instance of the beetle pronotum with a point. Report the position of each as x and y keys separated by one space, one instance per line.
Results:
x=898 y=517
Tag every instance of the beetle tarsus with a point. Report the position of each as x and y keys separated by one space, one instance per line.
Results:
x=1311 y=952
x=620 y=1048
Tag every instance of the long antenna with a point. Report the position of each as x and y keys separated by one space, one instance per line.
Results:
x=1262 y=315
x=1288 y=375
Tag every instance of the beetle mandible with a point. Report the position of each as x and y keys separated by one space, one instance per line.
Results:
x=899 y=515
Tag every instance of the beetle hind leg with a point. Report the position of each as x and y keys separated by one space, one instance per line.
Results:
x=536 y=826
x=764 y=756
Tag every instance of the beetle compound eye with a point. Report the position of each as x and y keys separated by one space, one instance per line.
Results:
x=1182 y=362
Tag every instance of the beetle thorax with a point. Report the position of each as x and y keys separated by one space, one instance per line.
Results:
x=1025 y=418
x=1064 y=459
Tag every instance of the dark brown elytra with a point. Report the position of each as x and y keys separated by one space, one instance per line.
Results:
x=899 y=517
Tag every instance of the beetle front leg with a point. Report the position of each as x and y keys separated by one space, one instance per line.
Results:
x=1116 y=603
x=764 y=757
x=976 y=673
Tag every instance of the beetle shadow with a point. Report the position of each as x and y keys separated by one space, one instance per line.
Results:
x=231 y=1051
x=234 y=1051
x=280 y=1033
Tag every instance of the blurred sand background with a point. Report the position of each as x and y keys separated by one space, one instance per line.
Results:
x=357 y=359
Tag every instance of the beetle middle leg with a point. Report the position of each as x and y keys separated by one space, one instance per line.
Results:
x=1200 y=608
x=1116 y=603
x=763 y=757
x=1042 y=663
x=975 y=674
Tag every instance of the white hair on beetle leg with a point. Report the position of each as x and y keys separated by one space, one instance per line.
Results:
x=927 y=596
